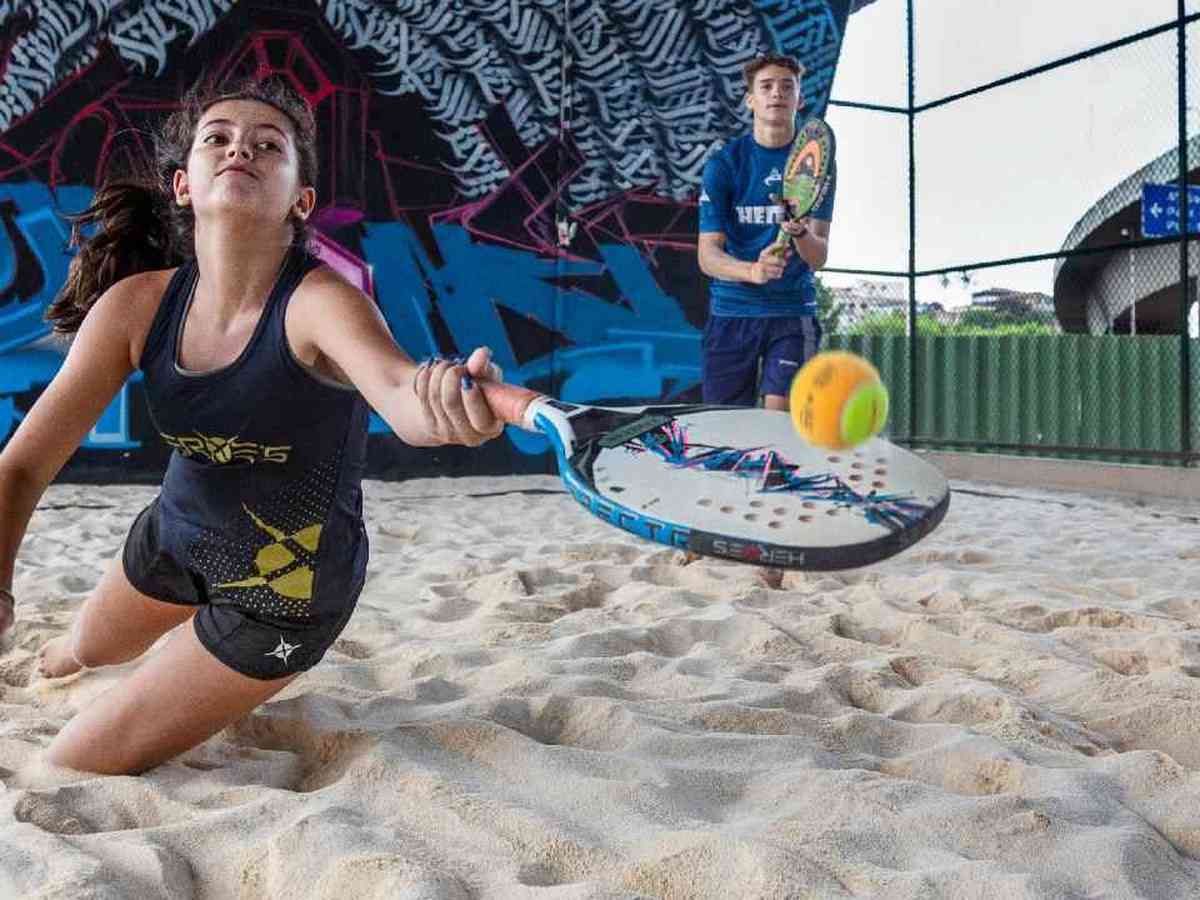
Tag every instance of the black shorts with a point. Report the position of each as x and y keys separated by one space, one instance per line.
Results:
x=245 y=638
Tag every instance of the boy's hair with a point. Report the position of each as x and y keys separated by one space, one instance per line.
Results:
x=760 y=62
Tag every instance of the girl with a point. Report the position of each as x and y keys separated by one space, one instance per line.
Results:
x=259 y=365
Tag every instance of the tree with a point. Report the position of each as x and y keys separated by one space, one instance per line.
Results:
x=974 y=322
x=829 y=308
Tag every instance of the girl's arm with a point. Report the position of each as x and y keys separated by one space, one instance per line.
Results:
x=427 y=405
x=101 y=358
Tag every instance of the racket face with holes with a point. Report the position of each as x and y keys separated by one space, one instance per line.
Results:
x=807 y=170
x=740 y=483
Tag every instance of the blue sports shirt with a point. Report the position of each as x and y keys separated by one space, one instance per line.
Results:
x=735 y=200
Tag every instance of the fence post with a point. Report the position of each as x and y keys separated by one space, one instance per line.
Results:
x=912 y=231
x=1185 y=294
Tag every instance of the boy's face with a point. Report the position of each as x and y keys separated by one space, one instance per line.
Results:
x=775 y=97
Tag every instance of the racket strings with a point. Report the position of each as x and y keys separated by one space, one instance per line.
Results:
x=775 y=474
x=807 y=162
x=805 y=170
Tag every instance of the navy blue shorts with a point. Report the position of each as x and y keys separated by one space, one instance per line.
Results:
x=245 y=639
x=734 y=347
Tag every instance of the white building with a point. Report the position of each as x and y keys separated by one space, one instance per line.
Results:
x=1134 y=290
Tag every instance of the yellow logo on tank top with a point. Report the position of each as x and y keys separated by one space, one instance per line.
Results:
x=225 y=450
x=285 y=566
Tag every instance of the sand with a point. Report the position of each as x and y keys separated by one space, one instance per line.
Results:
x=531 y=704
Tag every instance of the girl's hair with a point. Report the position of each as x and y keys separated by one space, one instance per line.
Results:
x=138 y=225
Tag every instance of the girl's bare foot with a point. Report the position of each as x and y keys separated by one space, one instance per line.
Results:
x=7 y=613
x=57 y=659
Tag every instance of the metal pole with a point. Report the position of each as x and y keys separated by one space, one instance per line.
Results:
x=1185 y=292
x=565 y=109
x=1132 y=297
x=1128 y=235
x=912 y=231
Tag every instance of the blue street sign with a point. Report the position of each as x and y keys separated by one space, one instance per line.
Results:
x=1160 y=209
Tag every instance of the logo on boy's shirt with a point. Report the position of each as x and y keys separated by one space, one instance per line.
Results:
x=775 y=176
x=759 y=215
x=704 y=198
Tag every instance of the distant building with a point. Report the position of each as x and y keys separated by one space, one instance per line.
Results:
x=1134 y=290
x=1016 y=306
x=855 y=302
x=865 y=298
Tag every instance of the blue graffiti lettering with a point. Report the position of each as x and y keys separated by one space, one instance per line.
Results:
x=45 y=233
x=616 y=350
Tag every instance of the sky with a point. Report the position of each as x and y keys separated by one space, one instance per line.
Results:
x=1007 y=172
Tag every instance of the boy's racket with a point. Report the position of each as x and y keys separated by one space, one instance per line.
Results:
x=734 y=482
x=806 y=175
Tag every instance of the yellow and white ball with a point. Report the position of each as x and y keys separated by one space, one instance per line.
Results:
x=838 y=400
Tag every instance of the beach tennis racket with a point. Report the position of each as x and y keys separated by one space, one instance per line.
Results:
x=733 y=482
x=807 y=175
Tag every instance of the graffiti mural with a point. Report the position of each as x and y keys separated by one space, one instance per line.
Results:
x=515 y=173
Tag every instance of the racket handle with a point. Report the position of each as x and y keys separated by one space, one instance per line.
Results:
x=510 y=402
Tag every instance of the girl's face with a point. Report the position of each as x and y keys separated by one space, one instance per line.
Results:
x=244 y=162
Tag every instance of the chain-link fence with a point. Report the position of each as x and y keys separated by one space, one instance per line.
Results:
x=1016 y=242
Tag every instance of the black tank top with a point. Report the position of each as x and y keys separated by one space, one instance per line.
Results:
x=262 y=496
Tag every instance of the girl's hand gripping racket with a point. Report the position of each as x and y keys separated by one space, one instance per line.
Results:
x=733 y=482
x=807 y=175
